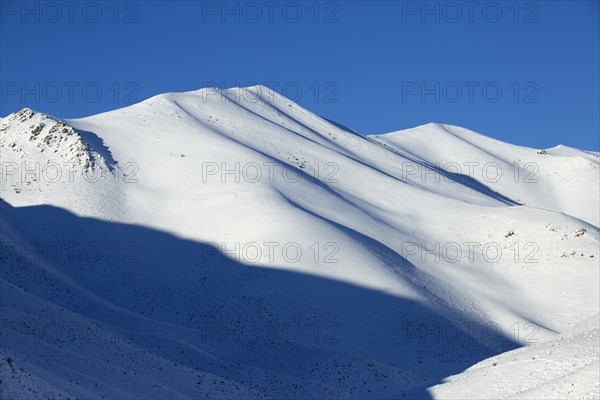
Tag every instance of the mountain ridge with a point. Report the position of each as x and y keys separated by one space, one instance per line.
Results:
x=420 y=254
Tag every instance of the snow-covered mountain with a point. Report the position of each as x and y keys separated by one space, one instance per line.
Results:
x=231 y=244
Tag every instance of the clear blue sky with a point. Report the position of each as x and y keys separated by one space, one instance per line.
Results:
x=373 y=66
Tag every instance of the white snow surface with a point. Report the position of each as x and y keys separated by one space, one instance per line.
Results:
x=232 y=244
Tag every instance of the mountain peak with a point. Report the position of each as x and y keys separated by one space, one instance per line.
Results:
x=28 y=132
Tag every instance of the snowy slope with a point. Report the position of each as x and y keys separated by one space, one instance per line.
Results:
x=563 y=368
x=231 y=243
x=549 y=179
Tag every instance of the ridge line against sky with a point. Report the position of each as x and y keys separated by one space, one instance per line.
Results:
x=522 y=72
